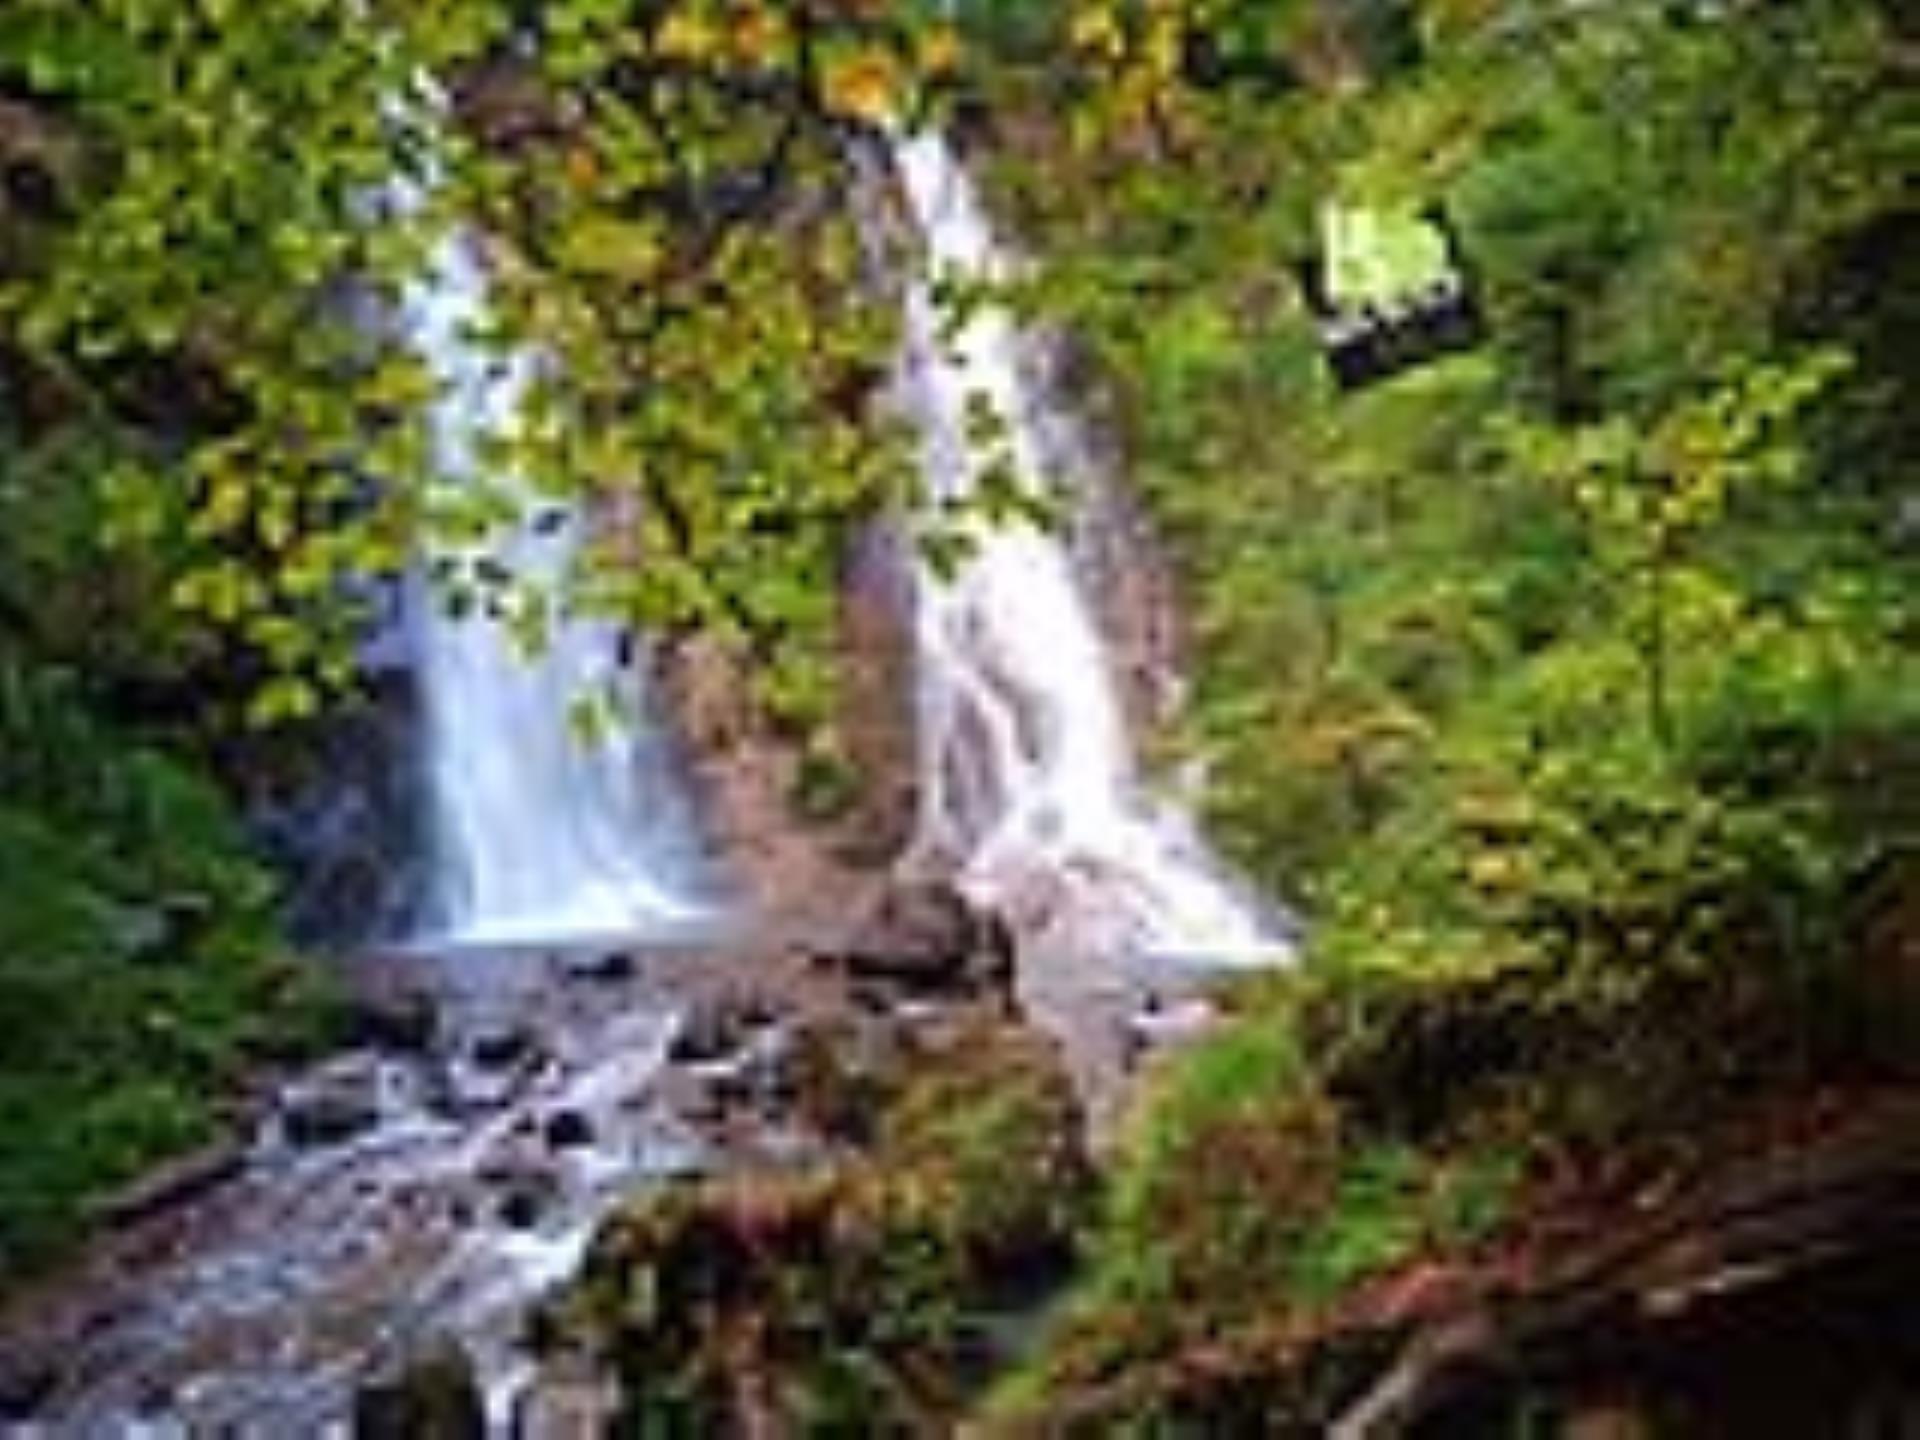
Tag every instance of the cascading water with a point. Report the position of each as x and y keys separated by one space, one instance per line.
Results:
x=544 y=830
x=433 y=1191
x=396 y=1197
x=1027 y=775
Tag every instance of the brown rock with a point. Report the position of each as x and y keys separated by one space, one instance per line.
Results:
x=927 y=938
x=434 y=1395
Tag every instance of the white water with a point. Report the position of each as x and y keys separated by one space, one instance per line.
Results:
x=258 y=1310
x=542 y=832
x=1027 y=773
x=273 y=1297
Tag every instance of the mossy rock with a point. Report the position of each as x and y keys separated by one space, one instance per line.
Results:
x=858 y=1294
x=434 y=1395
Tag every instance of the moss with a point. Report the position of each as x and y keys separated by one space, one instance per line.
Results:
x=824 y=787
x=1245 y=1211
x=1225 y=1169
x=861 y=1294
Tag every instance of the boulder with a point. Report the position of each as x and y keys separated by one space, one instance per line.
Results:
x=925 y=938
x=433 y=1394
x=523 y=1201
x=524 y=1181
x=716 y=1026
x=504 y=1046
x=601 y=966
x=390 y=1003
x=401 y=1020
x=334 y=1104
x=28 y=1374
x=568 y=1130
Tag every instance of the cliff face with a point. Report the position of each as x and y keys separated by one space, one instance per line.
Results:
x=808 y=826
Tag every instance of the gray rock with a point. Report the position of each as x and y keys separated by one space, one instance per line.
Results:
x=403 y=1021
x=716 y=1026
x=390 y=1004
x=334 y=1104
x=523 y=1203
x=507 y=1046
x=27 y=1375
x=567 y=1401
x=568 y=1130
x=608 y=966
x=524 y=1181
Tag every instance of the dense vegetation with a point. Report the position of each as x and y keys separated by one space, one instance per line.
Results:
x=215 y=442
x=1568 y=686
x=139 y=972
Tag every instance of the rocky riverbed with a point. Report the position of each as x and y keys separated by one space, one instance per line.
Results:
x=403 y=1207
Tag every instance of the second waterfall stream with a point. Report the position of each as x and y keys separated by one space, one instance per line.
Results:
x=1027 y=775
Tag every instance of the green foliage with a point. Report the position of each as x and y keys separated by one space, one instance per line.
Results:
x=136 y=959
x=1485 y=653
x=1249 y=1201
x=214 y=437
x=1232 y=1163
x=656 y=195
x=1548 y=678
x=1394 y=1204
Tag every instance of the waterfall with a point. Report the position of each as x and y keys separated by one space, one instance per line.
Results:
x=1027 y=773
x=543 y=829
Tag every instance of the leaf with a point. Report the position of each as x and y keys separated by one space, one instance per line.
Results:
x=863 y=84
x=616 y=249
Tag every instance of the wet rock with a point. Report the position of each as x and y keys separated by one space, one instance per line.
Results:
x=716 y=1026
x=607 y=966
x=761 y=1076
x=522 y=1204
x=401 y=1021
x=26 y=1377
x=507 y=1046
x=568 y=1130
x=525 y=1184
x=567 y=1401
x=434 y=1395
x=390 y=1005
x=926 y=938
x=333 y=1105
x=693 y=1095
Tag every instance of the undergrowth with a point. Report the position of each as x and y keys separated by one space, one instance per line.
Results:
x=139 y=970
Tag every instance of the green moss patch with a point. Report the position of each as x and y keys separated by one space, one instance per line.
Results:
x=864 y=1295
